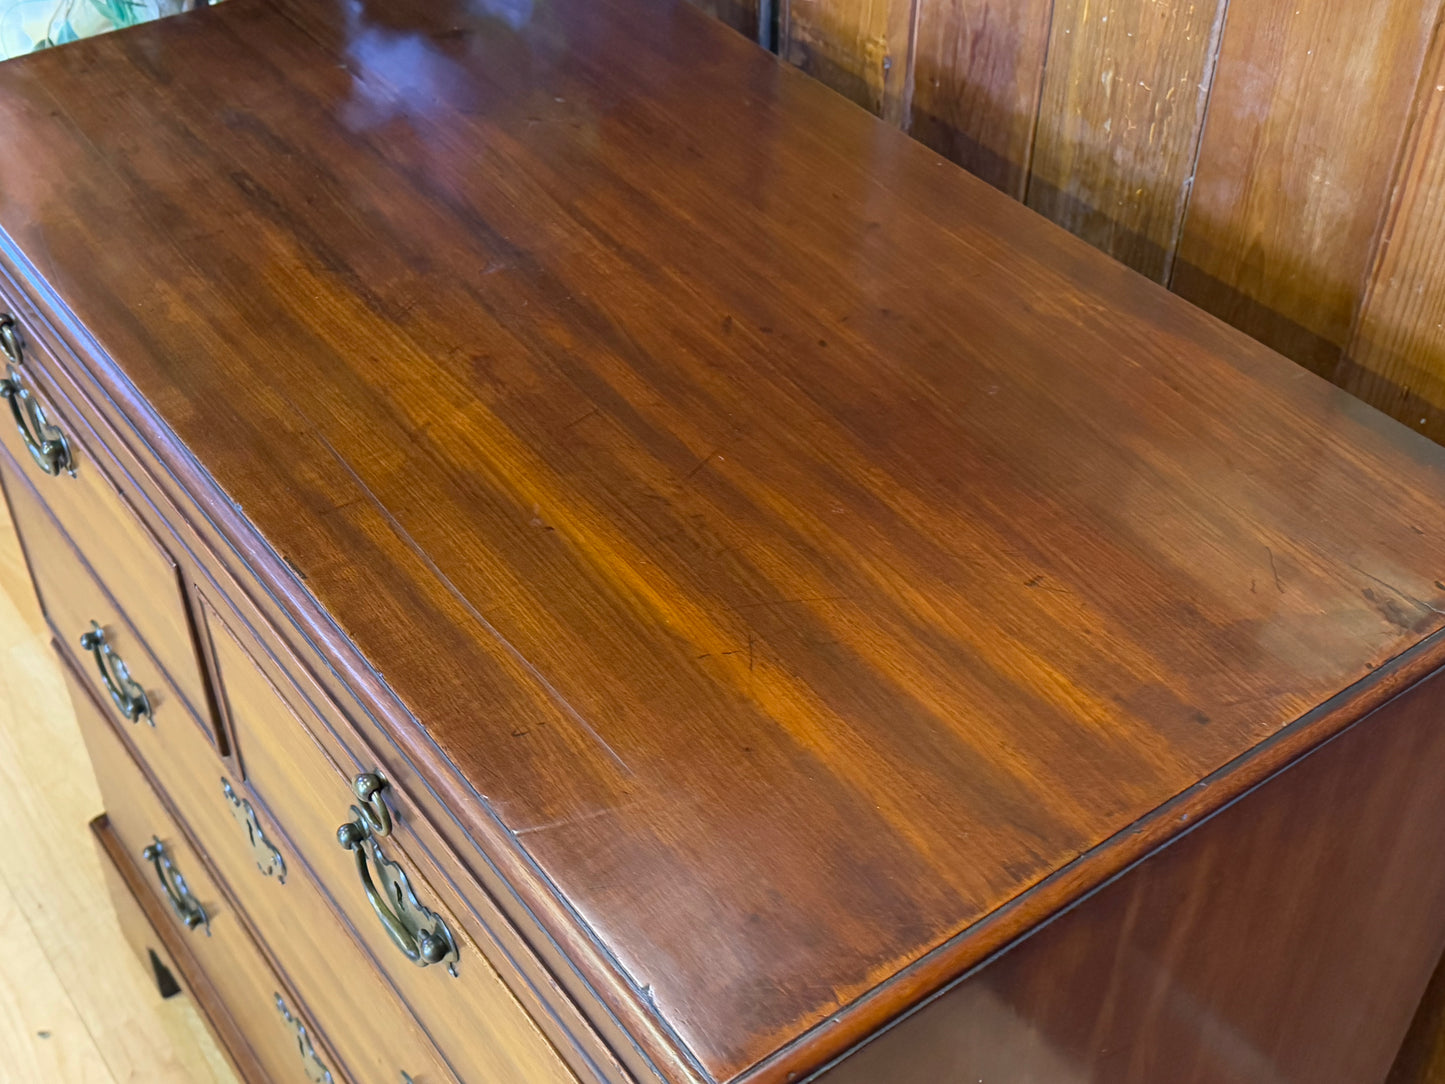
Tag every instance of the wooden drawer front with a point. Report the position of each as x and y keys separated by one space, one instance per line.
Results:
x=135 y=568
x=479 y=1026
x=223 y=948
x=291 y=918
x=375 y=1035
x=75 y=603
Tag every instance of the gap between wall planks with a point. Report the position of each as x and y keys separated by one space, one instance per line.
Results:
x=1396 y=357
x=1278 y=162
x=1306 y=123
x=60 y=945
x=1119 y=122
x=985 y=123
x=861 y=48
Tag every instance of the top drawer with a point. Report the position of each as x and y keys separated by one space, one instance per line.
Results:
x=121 y=550
x=472 y=1016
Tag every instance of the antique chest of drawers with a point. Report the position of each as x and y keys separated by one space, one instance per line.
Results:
x=582 y=557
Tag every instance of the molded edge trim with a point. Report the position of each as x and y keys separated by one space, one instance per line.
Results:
x=528 y=898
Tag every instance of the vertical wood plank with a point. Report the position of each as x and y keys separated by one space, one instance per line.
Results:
x=978 y=71
x=741 y=15
x=1396 y=358
x=860 y=48
x=1308 y=113
x=1119 y=121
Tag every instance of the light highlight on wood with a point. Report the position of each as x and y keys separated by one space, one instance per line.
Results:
x=1277 y=162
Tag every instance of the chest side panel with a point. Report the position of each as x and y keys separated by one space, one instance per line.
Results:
x=1286 y=939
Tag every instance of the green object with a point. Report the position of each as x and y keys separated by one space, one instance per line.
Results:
x=29 y=25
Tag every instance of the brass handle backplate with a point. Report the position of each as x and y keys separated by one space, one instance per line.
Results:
x=45 y=442
x=185 y=905
x=125 y=693
x=422 y=936
x=268 y=859
x=316 y=1070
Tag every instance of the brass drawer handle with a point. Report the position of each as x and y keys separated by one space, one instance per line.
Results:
x=422 y=937
x=268 y=859
x=182 y=902
x=125 y=693
x=368 y=787
x=316 y=1070
x=45 y=442
x=10 y=339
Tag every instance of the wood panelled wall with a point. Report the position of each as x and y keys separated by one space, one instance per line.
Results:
x=1280 y=163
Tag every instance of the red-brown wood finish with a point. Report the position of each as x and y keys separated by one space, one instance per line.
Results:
x=126 y=556
x=1267 y=946
x=797 y=568
x=548 y=984
x=1422 y=1055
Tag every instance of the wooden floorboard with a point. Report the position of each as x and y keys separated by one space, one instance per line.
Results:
x=41 y=1033
x=76 y=1006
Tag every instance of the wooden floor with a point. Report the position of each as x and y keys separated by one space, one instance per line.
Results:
x=75 y=1003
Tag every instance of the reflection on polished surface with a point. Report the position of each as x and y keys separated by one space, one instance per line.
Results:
x=799 y=569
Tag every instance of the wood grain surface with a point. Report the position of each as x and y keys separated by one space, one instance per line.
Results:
x=306 y=941
x=863 y=51
x=222 y=966
x=138 y=574
x=1281 y=226
x=1240 y=954
x=470 y=1016
x=985 y=119
x=41 y=1032
x=146 y=924
x=741 y=15
x=73 y=599
x=1094 y=109
x=803 y=551
x=1122 y=107
x=1394 y=357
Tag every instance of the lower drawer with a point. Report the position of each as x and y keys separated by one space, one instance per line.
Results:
x=258 y=1007
x=95 y=633
x=284 y=906
x=124 y=552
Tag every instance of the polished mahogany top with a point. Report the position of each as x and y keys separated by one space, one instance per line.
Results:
x=807 y=554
